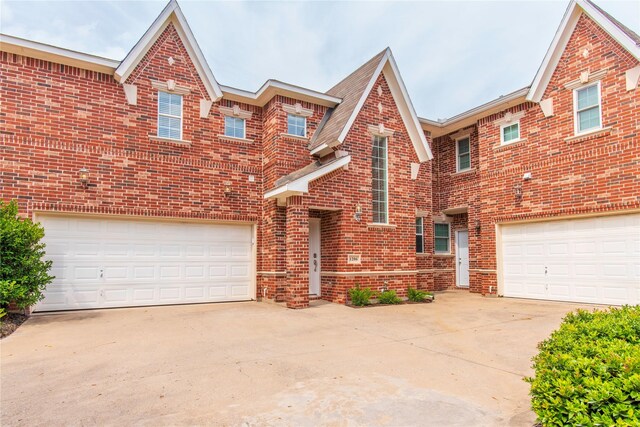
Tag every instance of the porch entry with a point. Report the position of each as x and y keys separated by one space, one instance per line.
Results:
x=314 y=256
x=462 y=258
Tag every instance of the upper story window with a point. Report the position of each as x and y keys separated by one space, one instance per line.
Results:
x=234 y=126
x=441 y=238
x=463 y=154
x=169 y=115
x=588 y=113
x=509 y=133
x=419 y=235
x=379 y=180
x=296 y=125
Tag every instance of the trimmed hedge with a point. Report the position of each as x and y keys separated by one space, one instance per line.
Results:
x=588 y=372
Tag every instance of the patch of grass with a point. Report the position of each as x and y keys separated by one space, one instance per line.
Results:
x=417 y=295
x=389 y=297
x=360 y=296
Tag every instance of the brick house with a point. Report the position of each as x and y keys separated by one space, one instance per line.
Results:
x=157 y=185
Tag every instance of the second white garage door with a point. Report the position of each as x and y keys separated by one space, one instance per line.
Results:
x=592 y=260
x=107 y=262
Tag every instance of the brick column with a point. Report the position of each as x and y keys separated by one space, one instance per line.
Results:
x=297 y=244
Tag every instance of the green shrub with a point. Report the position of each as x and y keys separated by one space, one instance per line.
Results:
x=389 y=297
x=23 y=273
x=360 y=296
x=588 y=371
x=417 y=295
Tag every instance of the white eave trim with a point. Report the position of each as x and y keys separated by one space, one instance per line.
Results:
x=171 y=13
x=562 y=36
x=301 y=185
x=46 y=52
x=469 y=117
x=274 y=87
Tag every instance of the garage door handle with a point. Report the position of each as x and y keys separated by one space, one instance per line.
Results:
x=101 y=273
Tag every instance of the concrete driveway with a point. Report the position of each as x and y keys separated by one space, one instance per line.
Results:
x=459 y=361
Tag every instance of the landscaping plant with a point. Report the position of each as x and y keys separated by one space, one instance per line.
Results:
x=360 y=296
x=417 y=295
x=588 y=372
x=389 y=297
x=24 y=275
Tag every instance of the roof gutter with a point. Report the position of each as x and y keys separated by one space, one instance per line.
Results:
x=275 y=87
x=46 y=52
x=439 y=128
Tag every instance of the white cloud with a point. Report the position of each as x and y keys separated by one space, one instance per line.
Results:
x=453 y=55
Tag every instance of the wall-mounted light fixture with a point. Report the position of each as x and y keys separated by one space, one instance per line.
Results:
x=83 y=176
x=478 y=226
x=358 y=215
x=517 y=189
x=227 y=188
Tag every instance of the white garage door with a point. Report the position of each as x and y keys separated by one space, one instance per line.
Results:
x=593 y=260
x=103 y=262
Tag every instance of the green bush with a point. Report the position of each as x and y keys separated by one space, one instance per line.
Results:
x=360 y=296
x=588 y=371
x=417 y=295
x=389 y=297
x=23 y=273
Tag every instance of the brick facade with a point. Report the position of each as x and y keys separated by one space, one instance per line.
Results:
x=599 y=173
x=56 y=119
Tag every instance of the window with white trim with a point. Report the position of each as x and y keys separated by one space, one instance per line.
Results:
x=419 y=235
x=588 y=113
x=463 y=154
x=169 y=115
x=296 y=125
x=379 y=180
x=509 y=132
x=441 y=238
x=234 y=126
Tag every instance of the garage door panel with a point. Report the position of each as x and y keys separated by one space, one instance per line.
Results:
x=112 y=263
x=593 y=260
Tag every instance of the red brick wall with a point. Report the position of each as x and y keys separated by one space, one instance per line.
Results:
x=56 y=120
x=599 y=173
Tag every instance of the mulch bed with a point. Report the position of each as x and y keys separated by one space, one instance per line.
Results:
x=377 y=304
x=10 y=323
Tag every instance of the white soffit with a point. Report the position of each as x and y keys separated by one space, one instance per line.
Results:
x=562 y=36
x=170 y=14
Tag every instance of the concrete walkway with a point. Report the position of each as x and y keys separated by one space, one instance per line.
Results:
x=458 y=362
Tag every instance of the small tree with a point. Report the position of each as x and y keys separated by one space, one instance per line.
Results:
x=24 y=275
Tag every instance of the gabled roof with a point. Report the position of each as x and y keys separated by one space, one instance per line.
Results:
x=297 y=182
x=354 y=90
x=272 y=88
x=170 y=14
x=623 y=35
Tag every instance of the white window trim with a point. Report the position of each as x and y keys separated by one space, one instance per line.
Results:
x=422 y=226
x=458 y=154
x=244 y=127
x=172 y=116
x=511 y=141
x=448 y=251
x=575 y=109
x=386 y=181
x=305 y=125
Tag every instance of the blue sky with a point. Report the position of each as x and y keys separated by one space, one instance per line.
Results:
x=453 y=55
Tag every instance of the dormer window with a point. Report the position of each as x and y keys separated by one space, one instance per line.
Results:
x=588 y=112
x=169 y=115
x=296 y=125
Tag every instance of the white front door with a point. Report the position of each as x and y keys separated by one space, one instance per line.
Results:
x=593 y=260
x=314 y=256
x=462 y=259
x=104 y=262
